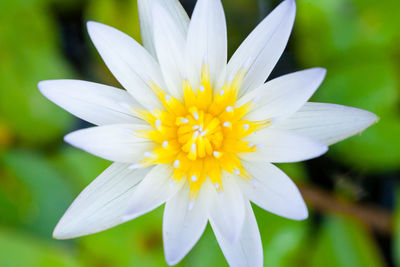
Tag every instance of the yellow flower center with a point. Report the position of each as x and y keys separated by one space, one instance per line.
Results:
x=201 y=135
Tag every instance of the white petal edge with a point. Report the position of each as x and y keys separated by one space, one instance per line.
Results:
x=128 y=61
x=247 y=250
x=328 y=123
x=169 y=43
x=95 y=103
x=155 y=189
x=183 y=224
x=115 y=142
x=102 y=204
x=279 y=146
x=177 y=12
x=272 y=190
x=207 y=42
x=284 y=95
x=227 y=208
x=262 y=49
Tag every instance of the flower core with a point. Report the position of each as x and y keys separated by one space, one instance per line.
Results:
x=201 y=135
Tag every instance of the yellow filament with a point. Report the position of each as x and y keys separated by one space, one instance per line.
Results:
x=201 y=136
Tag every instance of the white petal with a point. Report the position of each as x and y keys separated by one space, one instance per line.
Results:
x=207 y=41
x=96 y=103
x=328 y=123
x=177 y=12
x=278 y=146
x=154 y=190
x=130 y=63
x=226 y=209
x=102 y=204
x=183 y=225
x=272 y=190
x=283 y=96
x=247 y=250
x=261 y=50
x=169 y=42
x=115 y=142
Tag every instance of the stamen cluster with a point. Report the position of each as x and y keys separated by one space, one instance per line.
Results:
x=200 y=135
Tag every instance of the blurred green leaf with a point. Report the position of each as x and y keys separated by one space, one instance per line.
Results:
x=285 y=247
x=79 y=167
x=345 y=242
x=206 y=252
x=283 y=240
x=30 y=52
x=19 y=249
x=14 y=199
x=346 y=38
x=121 y=14
x=49 y=193
x=136 y=243
x=296 y=171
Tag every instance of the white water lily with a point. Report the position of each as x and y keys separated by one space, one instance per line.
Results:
x=196 y=132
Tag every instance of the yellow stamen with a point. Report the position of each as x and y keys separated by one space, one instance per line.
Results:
x=201 y=136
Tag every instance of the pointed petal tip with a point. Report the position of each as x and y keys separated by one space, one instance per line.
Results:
x=373 y=118
x=68 y=138
x=299 y=211
x=40 y=84
x=321 y=71
x=369 y=119
x=73 y=138
x=290 y=4
x=302 y=213
x=301 y=216
x=48 y=87
x=45 y=87
x=42 y=87
x=171 y=259
x=317 y=73
x=288 y=7
x=56 y=233
x=90 y=24
x=94 y=26
x=60 y=233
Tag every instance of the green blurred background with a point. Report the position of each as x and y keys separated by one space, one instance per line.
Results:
x=351 y=192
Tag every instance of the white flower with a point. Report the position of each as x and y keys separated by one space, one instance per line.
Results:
x=195 y=131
